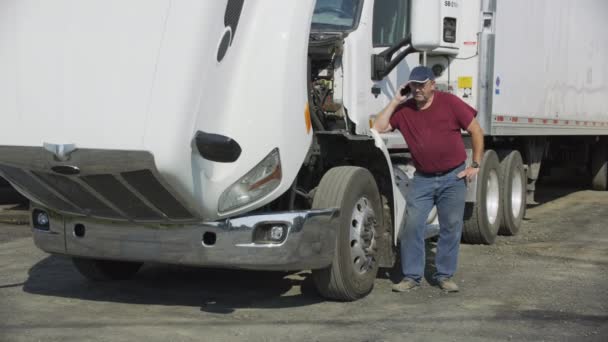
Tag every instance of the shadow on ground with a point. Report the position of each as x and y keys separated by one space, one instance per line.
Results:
x=213 y=290
x=550 y=189
x=395 y=274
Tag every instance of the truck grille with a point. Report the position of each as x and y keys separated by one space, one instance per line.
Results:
x=132 y=195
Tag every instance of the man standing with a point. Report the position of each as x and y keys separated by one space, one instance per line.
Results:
x=431 y=124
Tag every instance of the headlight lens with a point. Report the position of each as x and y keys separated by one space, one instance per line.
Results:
x=257 y=183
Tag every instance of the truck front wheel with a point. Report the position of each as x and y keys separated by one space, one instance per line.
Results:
x=104 y=270
x=353 y=270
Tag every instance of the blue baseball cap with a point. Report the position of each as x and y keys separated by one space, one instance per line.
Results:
x=421 y=74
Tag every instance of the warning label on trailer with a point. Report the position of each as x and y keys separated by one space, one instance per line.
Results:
x=465 y=82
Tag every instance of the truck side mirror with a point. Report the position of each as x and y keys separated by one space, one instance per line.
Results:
x=433 y=25
x=384 y=63
x=425 y=24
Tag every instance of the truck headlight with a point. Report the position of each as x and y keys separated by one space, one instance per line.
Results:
x=257 y=183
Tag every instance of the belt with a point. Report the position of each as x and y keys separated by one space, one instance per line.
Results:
x=440 y=173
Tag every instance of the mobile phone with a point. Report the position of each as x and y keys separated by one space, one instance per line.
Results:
x=405 y=91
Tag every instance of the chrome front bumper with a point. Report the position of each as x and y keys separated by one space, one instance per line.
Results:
x=309 y=244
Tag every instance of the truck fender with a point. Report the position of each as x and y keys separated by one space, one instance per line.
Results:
x=398 y=199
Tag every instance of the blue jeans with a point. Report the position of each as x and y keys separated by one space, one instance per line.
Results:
x=447 y=192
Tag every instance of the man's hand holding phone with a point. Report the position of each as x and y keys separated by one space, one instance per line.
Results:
x=403 y=93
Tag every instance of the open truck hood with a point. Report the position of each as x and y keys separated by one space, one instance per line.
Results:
x=78 y=71
x=147 y=76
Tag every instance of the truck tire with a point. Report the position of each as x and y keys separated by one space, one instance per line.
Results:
x=599 y=165
x=105 y=270
x=513 y=191
x=482 y=219
x=353 y=270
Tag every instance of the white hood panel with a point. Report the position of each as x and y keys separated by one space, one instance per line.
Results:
x=78 y=71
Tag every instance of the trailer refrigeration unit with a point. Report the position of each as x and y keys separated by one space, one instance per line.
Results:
x=236 y=133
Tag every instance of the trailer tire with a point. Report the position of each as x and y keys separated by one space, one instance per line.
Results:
x=353 y=270
x=106 y=270
x=599 y=165
x=513 y=191
x=482 y=219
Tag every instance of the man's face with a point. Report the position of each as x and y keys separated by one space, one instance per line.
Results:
x=422 y=91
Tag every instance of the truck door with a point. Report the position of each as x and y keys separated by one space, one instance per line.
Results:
x=384 y=23
x=390 y=25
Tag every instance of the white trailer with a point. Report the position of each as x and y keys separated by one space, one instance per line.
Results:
x=538 y=83
x=237 y=134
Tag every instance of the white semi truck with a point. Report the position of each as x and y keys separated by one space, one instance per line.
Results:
x=236 y=133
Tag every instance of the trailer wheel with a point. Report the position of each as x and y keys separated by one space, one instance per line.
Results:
x=482 y=218
x=513 y=189
x=353 y=270
x=599 y=165
x=105 y=270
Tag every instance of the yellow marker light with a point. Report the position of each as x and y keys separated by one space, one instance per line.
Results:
x=307 y=118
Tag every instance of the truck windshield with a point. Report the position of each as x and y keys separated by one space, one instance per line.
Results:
x=335 y=15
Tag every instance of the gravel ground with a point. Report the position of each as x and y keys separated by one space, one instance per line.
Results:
x=549 y=283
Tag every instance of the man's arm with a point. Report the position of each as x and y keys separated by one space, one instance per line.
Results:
x=382 y=122
x=477 y=139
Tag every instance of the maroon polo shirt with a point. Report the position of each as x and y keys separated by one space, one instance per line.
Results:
x=433 y=134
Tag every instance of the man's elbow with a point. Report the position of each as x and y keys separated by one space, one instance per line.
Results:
x=379 y=128
x=475 y=129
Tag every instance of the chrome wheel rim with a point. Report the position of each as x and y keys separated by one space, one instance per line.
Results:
x=517 y=193
x=362 y=236
x=492 y=197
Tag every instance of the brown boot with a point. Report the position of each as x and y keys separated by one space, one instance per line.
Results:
x=448 y=285
x=405 y=285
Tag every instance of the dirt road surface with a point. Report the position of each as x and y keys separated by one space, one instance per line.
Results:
x=549 y=283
